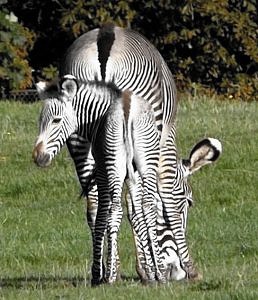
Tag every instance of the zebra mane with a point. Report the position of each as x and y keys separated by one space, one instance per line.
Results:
x=100 y=87
x=98 y=84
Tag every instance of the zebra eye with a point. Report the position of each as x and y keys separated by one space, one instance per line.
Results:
x=56 y=120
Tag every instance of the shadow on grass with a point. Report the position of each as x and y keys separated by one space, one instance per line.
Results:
x=35 y=282
x=212 y=285
x=44 y=282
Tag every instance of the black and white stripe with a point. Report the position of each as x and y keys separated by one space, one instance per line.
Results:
x=127 y=137
x=130 y=62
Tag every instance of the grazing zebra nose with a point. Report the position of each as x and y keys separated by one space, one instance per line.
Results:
x=40 y=158
x=37 y=150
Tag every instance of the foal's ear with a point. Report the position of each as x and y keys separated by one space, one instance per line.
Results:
x=69 y=87
x=41 y=86
x=47 y=89
x=205 y=152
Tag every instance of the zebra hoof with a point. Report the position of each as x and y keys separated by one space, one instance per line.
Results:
x=118 y=276
x=196 y=276
x=192 y=273
x=146 y=276
x=111 y=280
x=162 y=280
x=148 y=281
x=96 y=282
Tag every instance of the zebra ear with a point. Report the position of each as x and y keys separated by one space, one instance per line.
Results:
x=41 y=86
x=205 y=152
x=69 y=87
x=47 y=89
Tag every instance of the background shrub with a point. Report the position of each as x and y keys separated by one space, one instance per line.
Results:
x=15 y=42
x=212 y=44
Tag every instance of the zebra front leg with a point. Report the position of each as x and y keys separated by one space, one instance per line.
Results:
x=179 y=232
x=189 y=266
x=98 y=275
x=168 y=247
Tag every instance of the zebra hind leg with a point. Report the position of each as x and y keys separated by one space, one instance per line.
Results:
x=98 y=272
x=150 y=214
x=92 y=207
x=114 y=221
x=136 y=218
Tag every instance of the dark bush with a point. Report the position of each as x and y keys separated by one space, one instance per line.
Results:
x=15 y=42
x=211 y=44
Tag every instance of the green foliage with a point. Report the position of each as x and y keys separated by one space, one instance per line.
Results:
x=50 y=72
x=80 y=16
x=45 y=246
x=15 y=42
x=212 y=44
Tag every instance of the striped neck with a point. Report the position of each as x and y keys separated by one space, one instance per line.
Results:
x=90 y=104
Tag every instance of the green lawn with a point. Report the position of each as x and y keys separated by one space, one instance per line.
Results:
x=45 y=246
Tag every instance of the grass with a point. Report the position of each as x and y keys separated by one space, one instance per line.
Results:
x=45 y=246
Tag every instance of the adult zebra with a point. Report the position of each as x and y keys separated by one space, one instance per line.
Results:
x=127 y=60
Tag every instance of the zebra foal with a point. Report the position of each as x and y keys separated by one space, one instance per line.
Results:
x=124 y=138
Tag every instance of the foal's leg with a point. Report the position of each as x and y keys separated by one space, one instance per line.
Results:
x=146 y=148
x=144 y=264
x=99 y=235
x=113 y=225
x=115 y=164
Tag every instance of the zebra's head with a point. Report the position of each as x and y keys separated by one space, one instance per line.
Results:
x=57 y=119
x=207 y=151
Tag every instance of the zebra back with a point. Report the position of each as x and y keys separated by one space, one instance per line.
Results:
x=129 y=61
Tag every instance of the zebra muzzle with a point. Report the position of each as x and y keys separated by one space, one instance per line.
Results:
x=40 y=158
